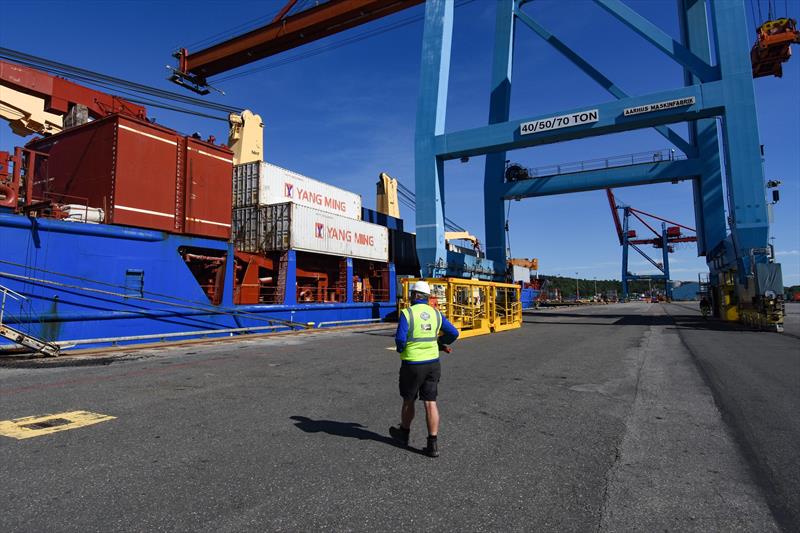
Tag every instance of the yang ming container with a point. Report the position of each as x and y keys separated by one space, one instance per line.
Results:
x=261 y=183
x=278 y=227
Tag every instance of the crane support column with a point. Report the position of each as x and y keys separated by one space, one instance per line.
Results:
x=625 y=226
x=745 y=177
x=709 y=201
x=665 y=262
x=499 y=107
x=431 y=108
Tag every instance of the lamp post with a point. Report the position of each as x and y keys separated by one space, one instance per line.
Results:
x=577 y=291
x=595 y=286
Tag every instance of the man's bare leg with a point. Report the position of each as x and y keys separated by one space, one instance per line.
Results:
x=432 y=416
x=407 y=414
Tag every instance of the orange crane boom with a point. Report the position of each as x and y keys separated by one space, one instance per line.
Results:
x=194 y=68
x=36 y=102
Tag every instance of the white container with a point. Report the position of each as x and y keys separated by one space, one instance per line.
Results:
x=263 y=183
x=521 y=274
x=286 y=226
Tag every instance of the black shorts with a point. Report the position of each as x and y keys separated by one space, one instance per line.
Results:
x=420 y=380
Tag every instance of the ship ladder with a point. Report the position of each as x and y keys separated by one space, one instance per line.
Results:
x=18 y=337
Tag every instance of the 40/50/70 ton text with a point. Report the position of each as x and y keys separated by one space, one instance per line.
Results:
x=561 y=121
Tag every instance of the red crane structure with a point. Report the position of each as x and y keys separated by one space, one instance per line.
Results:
x=663 y=240
x=35 y=102
x=284 y=32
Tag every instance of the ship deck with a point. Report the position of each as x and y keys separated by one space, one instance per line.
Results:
x=634 y=417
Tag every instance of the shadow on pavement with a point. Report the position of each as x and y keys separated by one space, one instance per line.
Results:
x=621 y=319
x=351 y=430
x=388 y=332
x=693 y=321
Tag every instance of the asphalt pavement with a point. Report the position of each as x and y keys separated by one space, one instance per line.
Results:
x=590 y=419
x=755 y=377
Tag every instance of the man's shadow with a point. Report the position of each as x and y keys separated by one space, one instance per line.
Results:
x=345 y=429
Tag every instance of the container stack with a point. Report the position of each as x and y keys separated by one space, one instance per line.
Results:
x=276 y=209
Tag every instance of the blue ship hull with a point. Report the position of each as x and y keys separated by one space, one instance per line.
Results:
x=78 y=283
x=528 y=298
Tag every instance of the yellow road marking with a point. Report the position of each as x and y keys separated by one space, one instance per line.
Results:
x=36 y=426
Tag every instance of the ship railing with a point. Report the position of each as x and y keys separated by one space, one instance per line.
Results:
x=652 y=156
x=6 y=294
x=46 y=205
x=313 y=294
x=164 y=337
x=352 y=322
x=371 y=295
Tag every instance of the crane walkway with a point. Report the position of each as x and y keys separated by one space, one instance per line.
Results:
x=639 y=158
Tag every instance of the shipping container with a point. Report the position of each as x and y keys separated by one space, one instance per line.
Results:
x=139 y=174
x=519 y=273
x=277 y=227
x=261 y=183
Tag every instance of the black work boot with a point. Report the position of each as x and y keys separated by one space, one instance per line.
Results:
x=432 y=449
x=400 y=434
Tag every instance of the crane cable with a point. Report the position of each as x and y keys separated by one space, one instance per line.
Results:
x=96 y=77
x=508 y=233
x=404 y=193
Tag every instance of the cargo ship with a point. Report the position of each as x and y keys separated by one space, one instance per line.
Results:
x=118 y=230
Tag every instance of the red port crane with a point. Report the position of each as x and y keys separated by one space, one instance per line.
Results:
x=663 y=240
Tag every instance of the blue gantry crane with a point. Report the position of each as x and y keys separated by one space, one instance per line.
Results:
x=745 y=279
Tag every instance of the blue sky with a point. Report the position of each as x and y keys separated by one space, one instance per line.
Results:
x=347 y=114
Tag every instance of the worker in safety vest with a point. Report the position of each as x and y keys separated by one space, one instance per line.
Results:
x=418 y=343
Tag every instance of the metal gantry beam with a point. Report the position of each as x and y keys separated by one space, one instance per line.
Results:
x=592 y=180
x=667 y=132
x=499 y=108
x=653 y=34
x=709 y=203
x=431 y=107
x=709 y=101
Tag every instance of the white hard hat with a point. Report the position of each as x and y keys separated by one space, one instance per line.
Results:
x=421 y=287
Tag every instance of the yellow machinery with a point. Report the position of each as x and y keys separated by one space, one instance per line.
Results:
x=450 y=236
x=387 y=196
x=532 y=264
x=246 y=137
x=474 y=307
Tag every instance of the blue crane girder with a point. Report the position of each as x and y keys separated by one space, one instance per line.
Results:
x=591 y=180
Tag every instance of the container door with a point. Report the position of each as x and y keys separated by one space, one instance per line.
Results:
x=209 y=171
x=146 y=173
x=79 y=168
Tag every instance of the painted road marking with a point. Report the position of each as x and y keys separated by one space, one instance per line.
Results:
x=36 y=426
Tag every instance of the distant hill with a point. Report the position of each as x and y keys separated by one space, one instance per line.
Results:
x=587 y=286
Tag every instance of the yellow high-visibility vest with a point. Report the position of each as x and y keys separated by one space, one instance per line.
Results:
x=424 y=323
